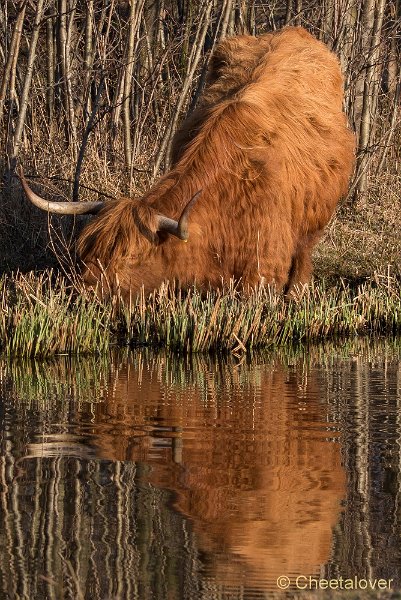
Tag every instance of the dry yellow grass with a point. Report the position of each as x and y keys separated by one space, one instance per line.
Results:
x=364 y=238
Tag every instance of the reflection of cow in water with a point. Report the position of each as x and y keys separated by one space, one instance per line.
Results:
x=270 y=149
x=246 y=452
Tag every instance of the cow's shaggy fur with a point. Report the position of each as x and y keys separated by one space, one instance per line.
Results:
x=270 y=148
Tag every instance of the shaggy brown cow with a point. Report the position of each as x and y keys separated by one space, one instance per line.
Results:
x=271 y=152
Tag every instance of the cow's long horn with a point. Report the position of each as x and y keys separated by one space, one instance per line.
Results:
x=178 y=228
x=61 y=208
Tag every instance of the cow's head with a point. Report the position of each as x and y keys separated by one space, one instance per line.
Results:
x=122 y=247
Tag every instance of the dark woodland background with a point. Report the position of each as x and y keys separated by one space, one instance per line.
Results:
x=92 y=91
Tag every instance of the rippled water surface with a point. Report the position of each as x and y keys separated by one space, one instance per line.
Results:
x=153 y=476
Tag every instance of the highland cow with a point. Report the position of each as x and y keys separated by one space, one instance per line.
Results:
x=257 y=172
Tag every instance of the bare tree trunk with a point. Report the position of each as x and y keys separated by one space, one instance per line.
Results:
x=85 y=98
x=288 y=11
x=3 y=34
x=50 y=68
x=394 y=59
x=68 y=76
x=27 y=83
x=128 y=86
x=64 y=40
x=374 y=20
x=89 y=127
x=326 y=29
x=298 y=11
x=134 y=22
x=11 y=64
x=251 y=17
x=394 y=121
x=118 y=100
x=226 y=10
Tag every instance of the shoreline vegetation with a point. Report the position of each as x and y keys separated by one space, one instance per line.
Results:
x=45 y=315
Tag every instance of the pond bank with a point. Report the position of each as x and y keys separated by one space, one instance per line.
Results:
x=44 y=315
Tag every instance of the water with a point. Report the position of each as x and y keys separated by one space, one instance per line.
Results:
x=151 y=476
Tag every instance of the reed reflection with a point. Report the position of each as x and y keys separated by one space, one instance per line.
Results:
x=250 y=451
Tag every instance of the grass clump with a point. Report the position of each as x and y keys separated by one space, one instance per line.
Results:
x=227 y=320
x=44 y=315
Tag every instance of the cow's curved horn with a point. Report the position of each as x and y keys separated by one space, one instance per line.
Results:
x=178 y=228
x=61 y=208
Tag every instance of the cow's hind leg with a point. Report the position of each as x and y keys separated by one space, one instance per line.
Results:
x=301 y=266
